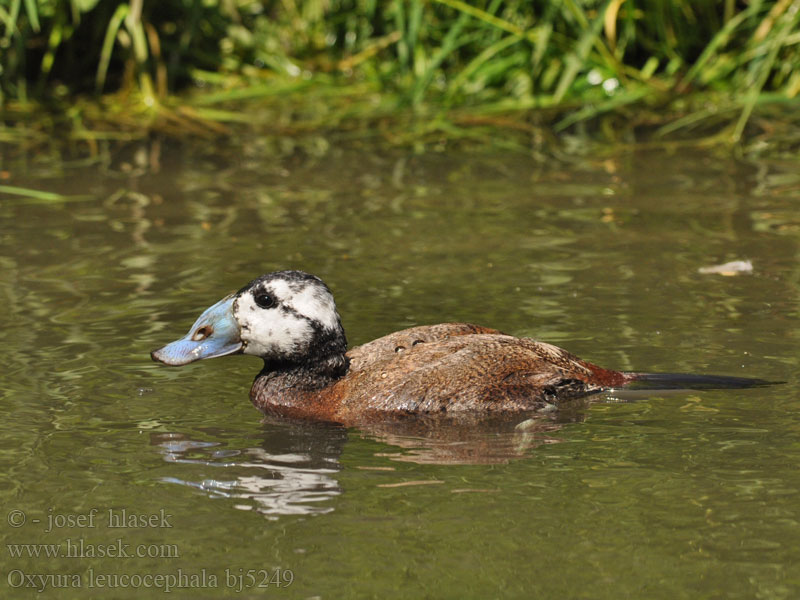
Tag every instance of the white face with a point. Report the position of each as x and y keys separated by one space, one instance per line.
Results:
x=280 y=317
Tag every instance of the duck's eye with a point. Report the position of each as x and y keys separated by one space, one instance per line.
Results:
x=265 y=300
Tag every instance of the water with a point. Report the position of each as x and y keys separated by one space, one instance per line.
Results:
x=683 y=495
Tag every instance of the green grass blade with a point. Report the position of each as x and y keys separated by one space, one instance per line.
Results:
x=451 y=42
x=8 y=22
x=33 y=14
x=475 y=64
x=38 y=195
x=776 y=42
x=108 y=45
x=543 y=33
x=484 y=16
x=591 y=111
x=693 y=119
x=414 y=22
x=252 y=92
x=722 y=36
x=577 y=60
x=403 y=51
x=53 y=42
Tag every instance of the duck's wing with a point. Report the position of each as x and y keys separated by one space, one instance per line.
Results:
x=389 y=346
x=483 y=372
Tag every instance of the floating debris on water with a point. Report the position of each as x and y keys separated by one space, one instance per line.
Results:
x=729 y=269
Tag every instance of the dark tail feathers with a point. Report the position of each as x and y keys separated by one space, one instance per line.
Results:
x=680 y=381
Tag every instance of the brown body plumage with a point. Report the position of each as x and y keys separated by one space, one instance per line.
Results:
x=451 y=368
x=289 y=319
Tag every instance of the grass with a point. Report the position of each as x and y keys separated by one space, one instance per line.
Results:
x=33 y=196
x=419 y=72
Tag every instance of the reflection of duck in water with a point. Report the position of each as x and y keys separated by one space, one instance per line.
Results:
x=289 y=319
x=286 y=469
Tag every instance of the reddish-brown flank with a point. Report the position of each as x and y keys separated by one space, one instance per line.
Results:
x=451 y=368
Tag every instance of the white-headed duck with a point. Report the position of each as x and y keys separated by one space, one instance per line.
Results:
x=289 y=319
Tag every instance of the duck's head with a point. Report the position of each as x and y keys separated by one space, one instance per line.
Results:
x=286 y=318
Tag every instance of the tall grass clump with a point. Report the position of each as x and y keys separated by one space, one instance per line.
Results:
x=412 y=69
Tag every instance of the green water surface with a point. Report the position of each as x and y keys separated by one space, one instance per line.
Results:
x=683 y=495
